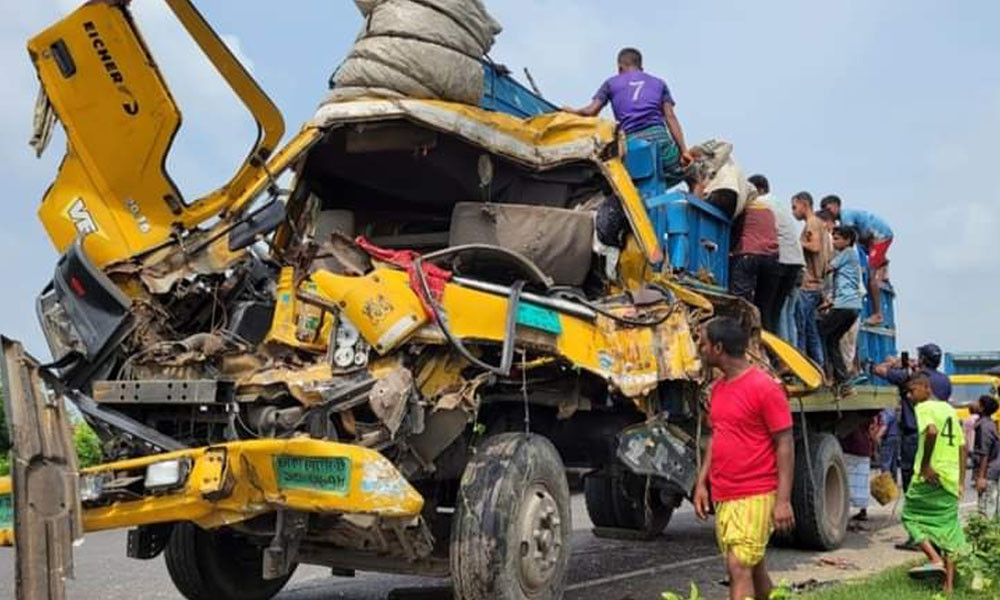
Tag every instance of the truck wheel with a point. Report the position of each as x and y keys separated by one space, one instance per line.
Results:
x=217 y=565
x=511 y=536
x=821 y=506
x=619 y=502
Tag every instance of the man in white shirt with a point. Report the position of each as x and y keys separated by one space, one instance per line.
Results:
x=791 y=260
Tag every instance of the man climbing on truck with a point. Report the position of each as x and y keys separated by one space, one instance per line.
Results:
x=817 y=246
x=875 y=235
x=748 y=469
x=644 y=107
x=843 y=304
x=790 y=261
x=753 y=268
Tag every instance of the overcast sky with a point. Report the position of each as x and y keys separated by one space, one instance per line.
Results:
x=894 y=105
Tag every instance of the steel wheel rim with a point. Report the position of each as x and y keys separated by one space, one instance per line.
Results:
x=540 y=544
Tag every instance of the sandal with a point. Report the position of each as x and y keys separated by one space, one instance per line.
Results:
x=927 y=571
x=909 y=545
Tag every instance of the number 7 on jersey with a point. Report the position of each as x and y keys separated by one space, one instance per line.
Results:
x=638 y=89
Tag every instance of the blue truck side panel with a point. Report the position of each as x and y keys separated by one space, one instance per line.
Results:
x=503 y=93
x=694 y=233
x=875 y=344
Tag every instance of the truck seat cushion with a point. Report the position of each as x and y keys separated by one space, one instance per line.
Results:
x=559 y=241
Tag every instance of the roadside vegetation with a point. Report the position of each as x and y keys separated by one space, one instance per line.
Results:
x=88 y=446
x=979 y=576
x=978 y=573
x=893 y=584
x=4 y=442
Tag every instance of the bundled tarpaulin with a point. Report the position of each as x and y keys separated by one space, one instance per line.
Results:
x=430 y=49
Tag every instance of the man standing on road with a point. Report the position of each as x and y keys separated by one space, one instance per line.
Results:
x=930 y=513
x=817 y=246
x=858 y=448
x=889 y=437
x=748 y=468
x=896 y=373
x=986 y=458
x=644 y=108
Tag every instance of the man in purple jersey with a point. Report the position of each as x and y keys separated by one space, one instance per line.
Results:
x=644 y=108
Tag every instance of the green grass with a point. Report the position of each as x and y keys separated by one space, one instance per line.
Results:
x=893 y=584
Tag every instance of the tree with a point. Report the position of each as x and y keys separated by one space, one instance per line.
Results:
x=4 y=441
x=4 y=433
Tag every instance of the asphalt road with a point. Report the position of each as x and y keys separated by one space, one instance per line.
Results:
x=600 y=569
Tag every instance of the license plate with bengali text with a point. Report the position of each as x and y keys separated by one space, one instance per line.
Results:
x=6 y=512
x=323 y=474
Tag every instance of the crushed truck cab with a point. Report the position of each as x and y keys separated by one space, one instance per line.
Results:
x=387 y=366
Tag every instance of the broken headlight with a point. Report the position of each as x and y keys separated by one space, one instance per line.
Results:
x=92 y=486
x=167 y=474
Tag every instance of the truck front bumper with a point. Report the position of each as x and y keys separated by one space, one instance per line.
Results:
x=229 y=483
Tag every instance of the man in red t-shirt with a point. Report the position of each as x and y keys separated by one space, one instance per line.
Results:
x=747 y=473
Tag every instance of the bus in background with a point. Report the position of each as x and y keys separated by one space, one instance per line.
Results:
x=966 y=389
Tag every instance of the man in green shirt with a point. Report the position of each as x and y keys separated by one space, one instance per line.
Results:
x=930 y=513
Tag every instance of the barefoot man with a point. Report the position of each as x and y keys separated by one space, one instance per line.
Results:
x=747 y=475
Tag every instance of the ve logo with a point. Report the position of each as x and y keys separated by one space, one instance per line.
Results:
x=81 y=218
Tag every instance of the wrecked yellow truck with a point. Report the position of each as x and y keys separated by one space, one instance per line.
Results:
x=376 y=347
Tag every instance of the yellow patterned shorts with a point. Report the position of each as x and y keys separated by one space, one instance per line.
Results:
x=744 y=526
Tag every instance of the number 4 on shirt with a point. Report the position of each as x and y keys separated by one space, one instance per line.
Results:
x=949 y=431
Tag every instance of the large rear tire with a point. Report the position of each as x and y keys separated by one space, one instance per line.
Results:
x=821 y=504
x=627 y=502
x=511 y=536
x=218 y=565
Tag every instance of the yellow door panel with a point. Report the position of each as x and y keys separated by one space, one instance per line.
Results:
x=120 y=121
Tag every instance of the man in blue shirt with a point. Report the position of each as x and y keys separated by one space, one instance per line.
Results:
x=644 y=107
x=843 y=304
x=875 y=235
